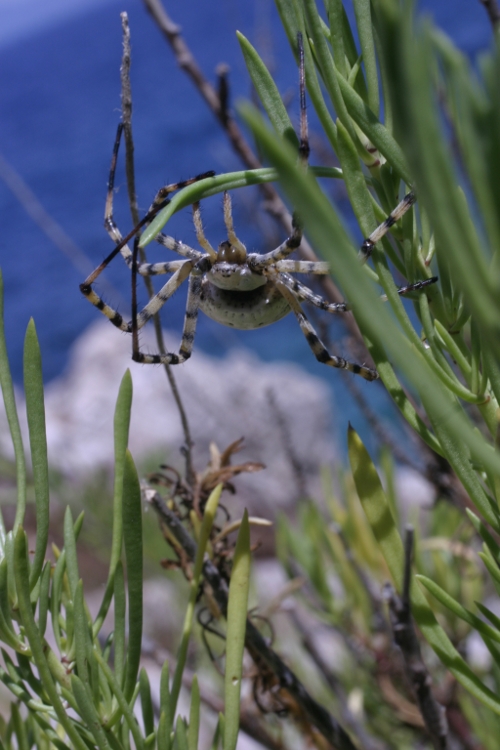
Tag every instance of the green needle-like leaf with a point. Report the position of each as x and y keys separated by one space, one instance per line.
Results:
x=70 y=547
x=194 y=716
x=121 y=431
x=120 y=602
x=38 y=648
x=43 y=599
x=460 y=611
x=146 y=703
x=122 y=702
x=132 y=537
x=381 y=520
x=82 y=636
x=267 y=92
x=88 y=713
x=35 y=409
x=236 y=628
x=206 y=526
x=12 y=418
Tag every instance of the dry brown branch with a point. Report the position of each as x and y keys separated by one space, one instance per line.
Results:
x=126 y=94
x=292 y=691
x=493 y=11
x=406 y=638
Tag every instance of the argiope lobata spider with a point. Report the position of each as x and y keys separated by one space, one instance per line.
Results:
x=233 y=287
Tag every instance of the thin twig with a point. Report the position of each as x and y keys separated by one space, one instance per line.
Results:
x=273 y=203
x=493 y=11
x=126 y=93
x=48 y=225
x=405 y=637
x=256 y=645
x=309 y=644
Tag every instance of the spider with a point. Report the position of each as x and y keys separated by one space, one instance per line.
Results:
x=233 y=287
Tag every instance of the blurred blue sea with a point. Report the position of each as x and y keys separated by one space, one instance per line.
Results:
x=60 y=105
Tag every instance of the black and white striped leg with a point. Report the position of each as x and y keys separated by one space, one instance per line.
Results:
x=156 y=303
x=303 y=293
x=122 y=242
x=161 y=197
x=400 y=210
x=188 y=331
x=153 y=306
x=318 y=348
x=259 y=262
x=304 y=148
x=200 y=232
x=228 y=221
x=319 y=267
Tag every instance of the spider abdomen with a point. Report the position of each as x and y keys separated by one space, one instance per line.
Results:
x=243 y=310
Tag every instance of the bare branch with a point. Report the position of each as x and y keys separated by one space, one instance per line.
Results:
x=493 y=11
x=309 y=644
x=256 y=645
x=126 y=93
x=405 y=637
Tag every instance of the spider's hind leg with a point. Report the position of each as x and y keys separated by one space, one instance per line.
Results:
x=318 y=348
x=190 y=318
x=304 y=148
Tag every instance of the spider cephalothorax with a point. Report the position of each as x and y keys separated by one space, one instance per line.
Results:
x=235 y=288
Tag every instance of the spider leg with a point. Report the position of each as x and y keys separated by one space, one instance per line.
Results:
x=259 y=262
x=303 y=266
x=122 y=242
x=160 y=199
x=304 y=148
x=400 y=210
x=318 y=348
x=228 y=220
x=156 y=303
x=200 y=232
x=303 y=293
x=179 y=247
x=157 y=269
x=109 y=221
x=190 y=318
x=415 y=287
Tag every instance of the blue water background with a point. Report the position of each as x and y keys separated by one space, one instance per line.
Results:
x=60 y=104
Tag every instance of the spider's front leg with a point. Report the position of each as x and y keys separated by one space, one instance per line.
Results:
x=400 y=210
x=195 y=274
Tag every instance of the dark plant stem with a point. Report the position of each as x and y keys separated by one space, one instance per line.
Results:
x=493 y=11
x=126 y=95
x=405 y=637
x=256 y=645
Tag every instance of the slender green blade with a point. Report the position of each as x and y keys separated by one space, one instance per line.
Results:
x=132 y=537
x=267 y=92
x=12 y=418
x=381 y=520
x=235 y=638
x=35 y=408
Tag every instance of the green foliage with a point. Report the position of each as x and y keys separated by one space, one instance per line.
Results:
x=38 y=598
x=69 y=688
